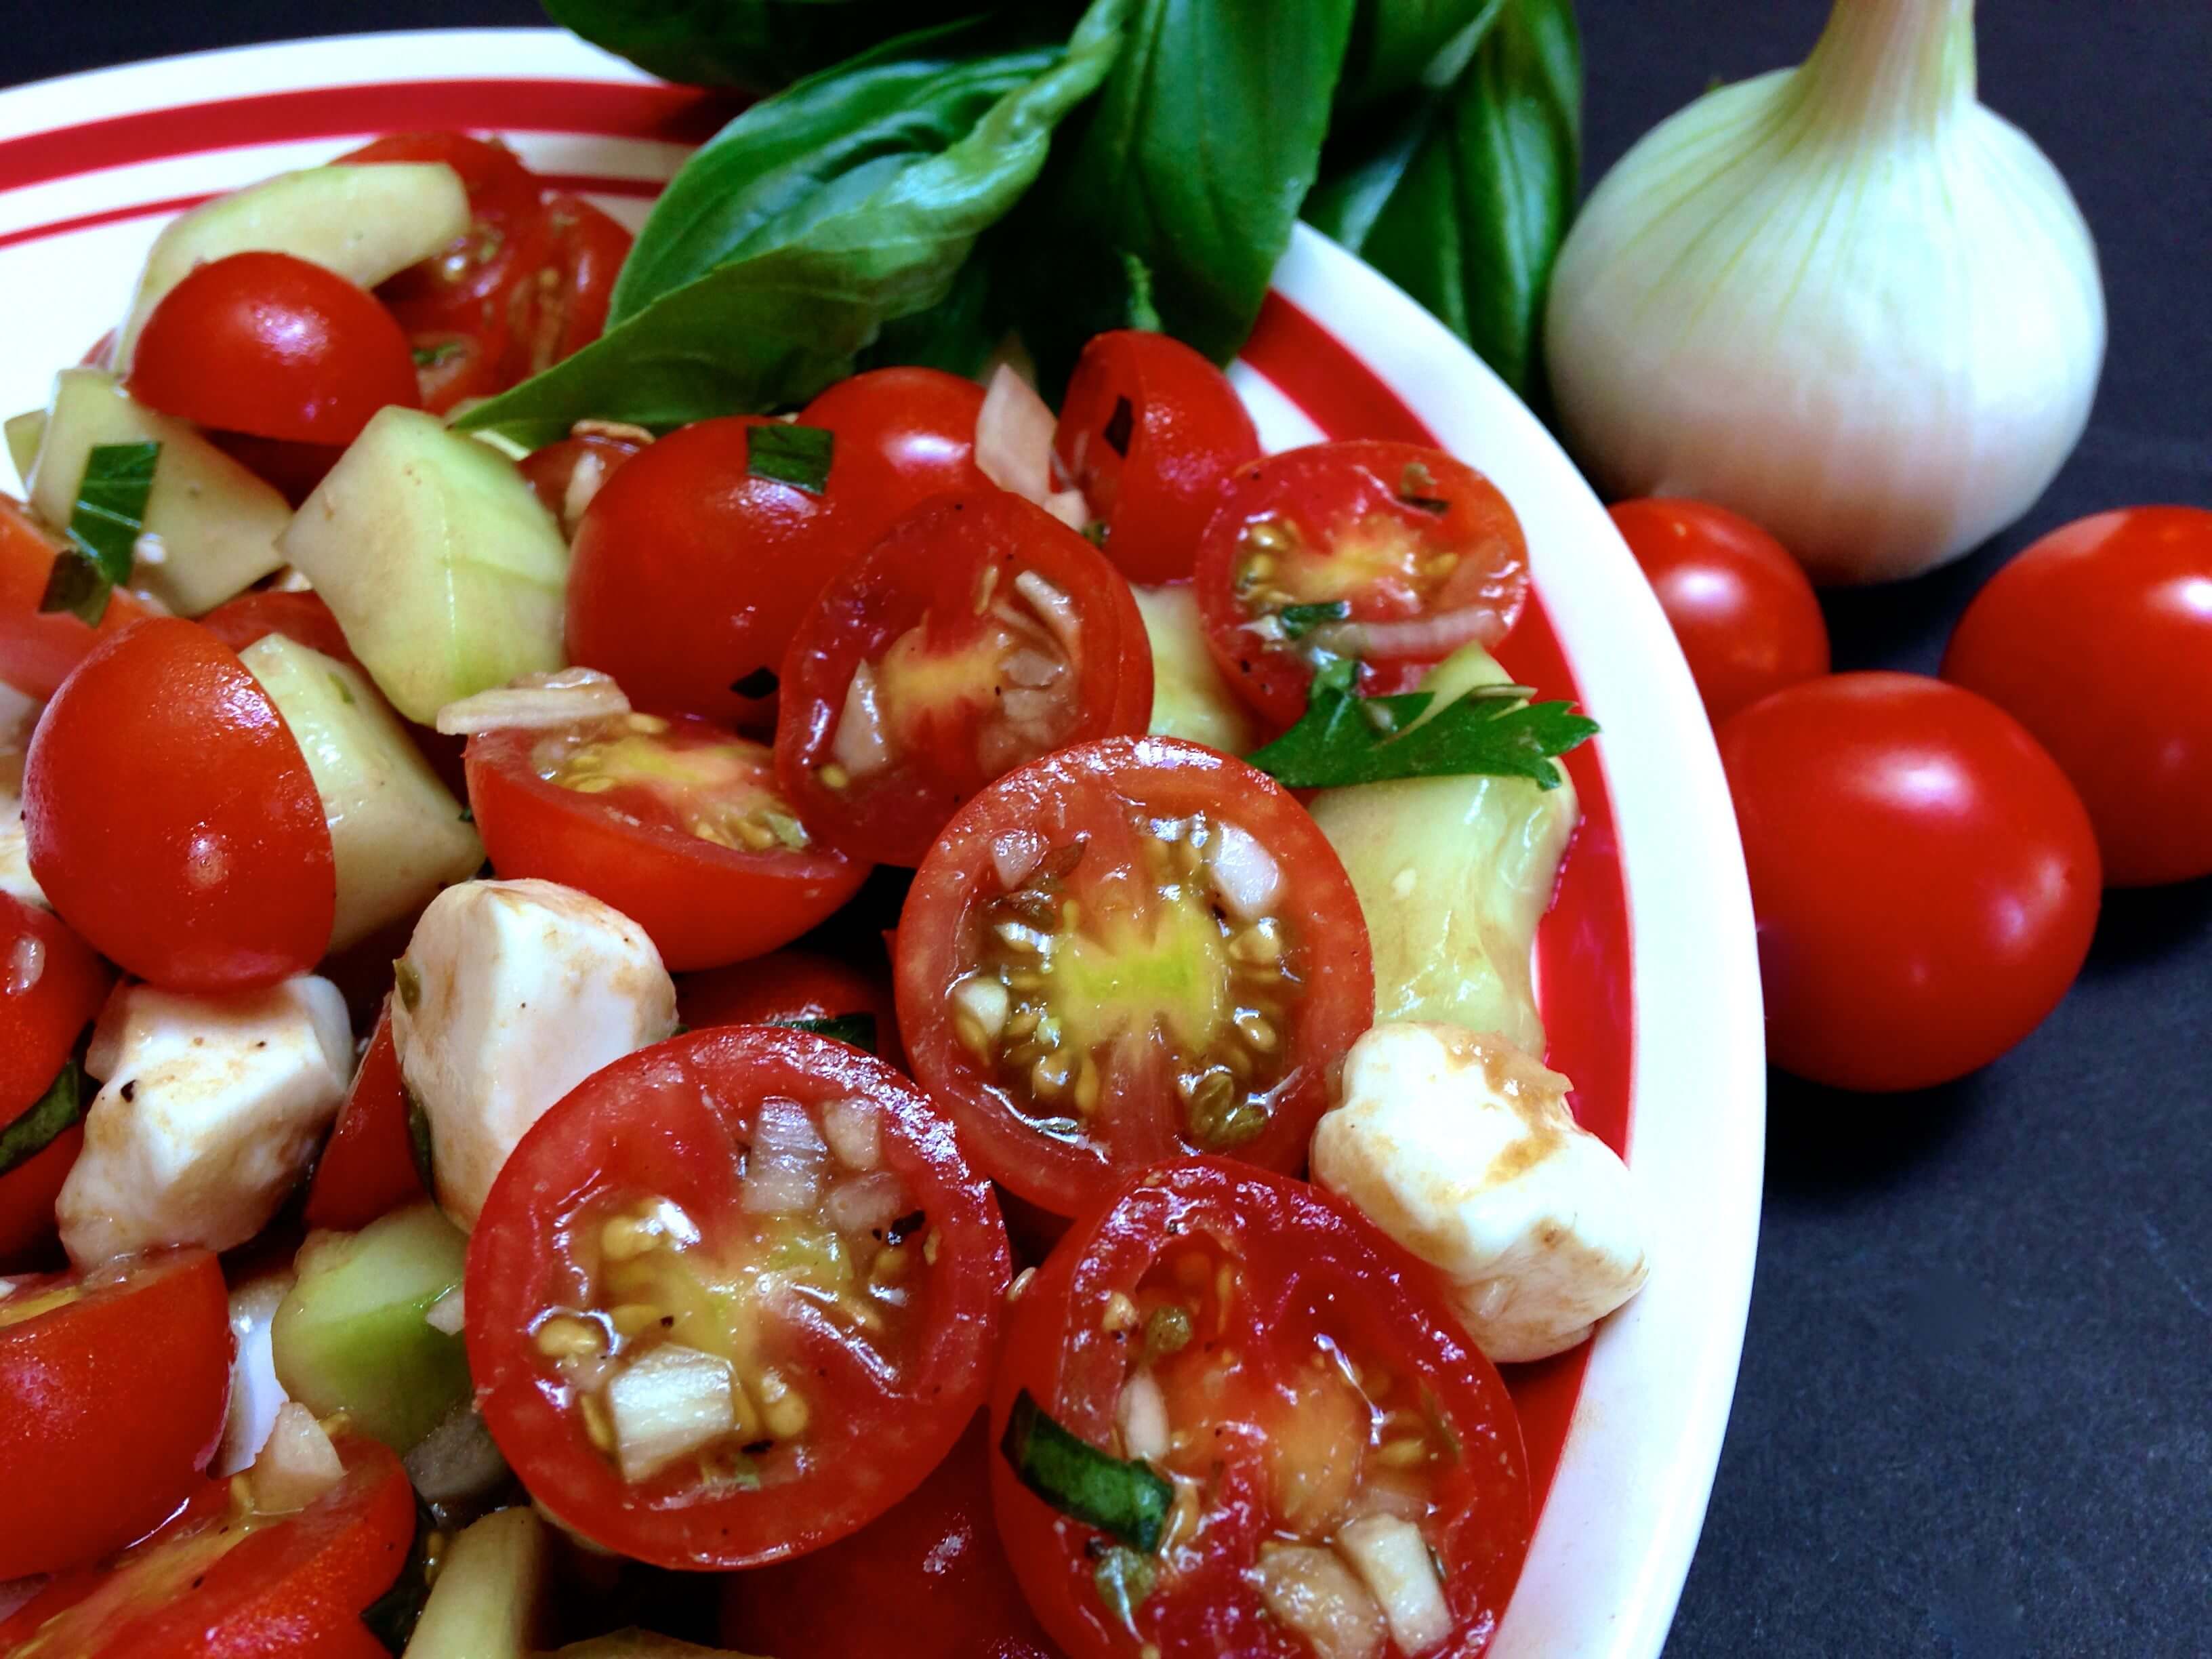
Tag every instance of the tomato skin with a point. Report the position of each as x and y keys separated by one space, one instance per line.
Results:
x=936 y=1549
x=789 y=985
x=551 y=471
x=2098 y=639
x=1081 y=792
x=1187 y=431
x=1742 y=608
x=40 y=1020
x=1306 y=1261
x=274 y=346
x=1329 y=496
x=703 y=904
x=463 y=289
x=367 y=1167
x=171 y=818
x=38 y=648
x=668 y=1121
x=689 y=575
x=903 y=434
x=560 y=306
x=28 y=1231
x=923 y=577
x=110 y=1407
x=300 y=616
x=1925 y=879
x=293 y=469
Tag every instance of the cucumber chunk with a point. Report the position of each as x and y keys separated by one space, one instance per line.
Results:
x=364 y=222
x=1190 y=698
x=447 y=573
x=488 y=1598
x=23 y=433
x=351 y=1336
x=396 y=834
x=216 y=522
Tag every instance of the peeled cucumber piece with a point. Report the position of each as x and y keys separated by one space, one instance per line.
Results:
x=1453 y=875
x=488 y=1601
x=23 y=433
x=364 y=222
x=396 y=834
x=352 y=1337
x=447 y=573
x=216 y=522
x=1190 y=698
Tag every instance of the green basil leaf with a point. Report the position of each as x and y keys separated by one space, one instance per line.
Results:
x=1128 y=1500
x=1185 y=177
x=858 y=1030
x=790 y=454
x=1296 y=621
x=958 y=333
x=818 y=216
x=103 y=532
x=45 y=1118
x=1400 y=44
x=1464 y=202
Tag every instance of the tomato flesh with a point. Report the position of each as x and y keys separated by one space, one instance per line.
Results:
x=367 y=1167
x=786 y=1223
x=1128 y=951
x=1272 y=1356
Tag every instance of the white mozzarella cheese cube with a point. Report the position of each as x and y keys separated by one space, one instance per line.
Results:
x=208 y=1114
x=511 y=994
x=1463 y=1148
x=16 y=877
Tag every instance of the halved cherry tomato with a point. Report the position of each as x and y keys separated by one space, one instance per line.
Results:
x=1925 y=879
x=28 y=1195
x=1389 y=552
x=786 y=988
x=1742 y=609
x=367 y=1167
x=568 y=474
x=864 y=1597
x=1304 y=1387
x=2098 y=639
x=674 y=821
x=905 y=435
x=223 y=1581
x=979 y=633
x=171 y=818
x=272 y=345
x=452 y=368
x=38 y=649
x=1128 y=951
x=112 y=1389
x=560 y=306
x=692 y=569
x=760 y=1228
x=1151 y=433
x=51 y=983
x=300 y=616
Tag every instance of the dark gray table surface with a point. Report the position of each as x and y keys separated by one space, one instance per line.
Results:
x=1975 y=1413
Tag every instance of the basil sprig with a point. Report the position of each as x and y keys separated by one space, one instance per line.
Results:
x=1125 y=1499
x=104 y=528
x=44 y=1120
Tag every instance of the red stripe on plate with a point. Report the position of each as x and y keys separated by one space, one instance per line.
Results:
x=605 y=108
x=1583 y=946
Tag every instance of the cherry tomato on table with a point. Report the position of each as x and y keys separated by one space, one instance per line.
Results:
x=171 y=818
x=2098 y=639
x=929 y=1580
x=38 y=649
x=223 y=1581
x=674 y=821
x=112 y=1389
x=1389 y=552
x=1150 y=432
x=1924 y=877
x=274 y=346
x=904 y=434
x=1742 y=608
x=1128 y=951
x=979 y=633
x=1301 y=1390
x=733 y=1297
x=786 y=988
x=368 y=1168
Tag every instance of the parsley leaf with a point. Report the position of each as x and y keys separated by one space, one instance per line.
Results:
x=103 y=530
x=1345 y=738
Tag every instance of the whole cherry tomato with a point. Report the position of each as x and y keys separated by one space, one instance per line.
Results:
x=1924 y=876
x=905 y=435
x=300 y=617
x=561 y=306
x=268 y=344
x=1742 y=608
x=800 y=988
x=2098 y=639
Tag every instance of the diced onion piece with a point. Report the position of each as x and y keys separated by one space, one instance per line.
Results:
x=447 y=1313
x=861 y=743
x=854 y=1130
x=456 y=1461
x=1393 y=1561
x=296 y=1466
x=866 y=1203
x=984 y=1000
x=1316 y=1594
x=1014 y=447
x=672 y=1400
x=1142 y=1415
x=783 y=1171
x=1245 y=874
x=1419 y=639
x=1014 y=855
x=536 y=702
x=584 y=478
